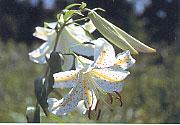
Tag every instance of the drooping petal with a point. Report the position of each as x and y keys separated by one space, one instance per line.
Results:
x=124 y=60
x=104 y=54
x=83 y=49
x=69 y=42
x=110 y=75
x=44 y=33
x=109 y=87
x=81 y=107
x=38 y=55
x=68 y=103
x=51 y=25
x=52 y=102
x=78 y=32
x=77 y=35
x=85 y=60
x=67 y=79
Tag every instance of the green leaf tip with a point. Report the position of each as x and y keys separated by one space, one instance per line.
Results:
x=117 y=36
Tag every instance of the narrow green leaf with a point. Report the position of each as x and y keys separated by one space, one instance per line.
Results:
x=117 y=36
x=139 y=46
x=109 y=32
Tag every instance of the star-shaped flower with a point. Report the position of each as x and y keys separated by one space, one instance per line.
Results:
x=70 y=37
x=105 y=73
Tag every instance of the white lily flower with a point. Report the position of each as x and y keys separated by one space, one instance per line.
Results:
x=70 y=37
x=91 y=76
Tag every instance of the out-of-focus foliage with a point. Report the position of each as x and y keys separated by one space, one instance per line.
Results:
x=152 y=92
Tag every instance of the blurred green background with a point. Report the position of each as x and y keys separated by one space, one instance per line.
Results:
x=152 y=93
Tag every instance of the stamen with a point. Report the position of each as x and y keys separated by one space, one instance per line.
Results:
x=119 y=98
x=110 y=97
x=89 y=113
x=121 y=103
x=99 y=113
x=97 y=104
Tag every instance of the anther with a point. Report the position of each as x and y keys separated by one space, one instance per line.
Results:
x=89 y=113
x=119 y=98
x=110 y=97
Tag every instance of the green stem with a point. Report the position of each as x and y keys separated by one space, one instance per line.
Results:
x=81 y=19
x=58 y=35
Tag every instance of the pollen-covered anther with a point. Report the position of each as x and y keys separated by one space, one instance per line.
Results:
x=119 y=98
x=110 y=97
x=89 y=113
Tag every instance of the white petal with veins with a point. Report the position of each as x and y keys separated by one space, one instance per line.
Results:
x=110 y=75
x=124 y=60
x=104 y=54
x=44 y=33
x=68 y=103
x=67 y=79
x=38 y=55
x=109 y=87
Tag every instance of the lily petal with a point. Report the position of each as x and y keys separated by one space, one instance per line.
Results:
x=51 y=25
x=69 y=42
x=81 y=107
x=85 y=60
x=66 y=104
x=38 y=55
x=67 y=79
x=110 y=75
x=44 y=33
x=77 y=35
x=124 y=60
x=109 y=87
x=104 y=54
